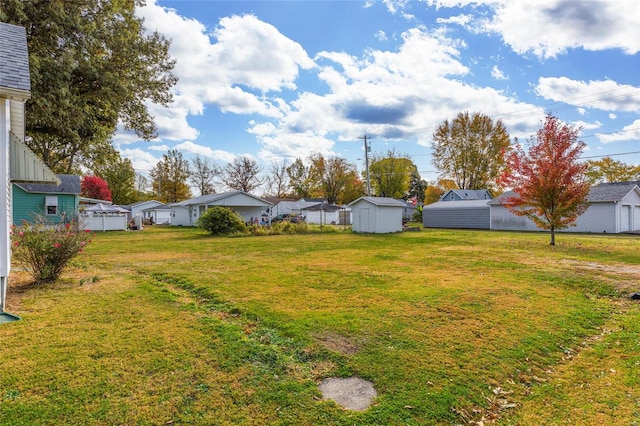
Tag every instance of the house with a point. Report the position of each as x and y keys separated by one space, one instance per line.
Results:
x=327 y=214
x=377 y=214
x=466 y=194
x=55 y=203
x=137 y=209
x=294 y=207
x=459 y=214
x=187 y=213
x=613 y=208
x=17 y=162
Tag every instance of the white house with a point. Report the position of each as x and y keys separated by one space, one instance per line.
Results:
x=139 y=208
x=613 y=208
x=377 y=215
x=17 y=162
x=160 y=215
x=187 y=213
x=327 y=214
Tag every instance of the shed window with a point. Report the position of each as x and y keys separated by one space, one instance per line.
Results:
x=51 y=205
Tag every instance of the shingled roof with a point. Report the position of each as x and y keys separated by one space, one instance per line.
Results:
x=597 y=194
x=14 y=59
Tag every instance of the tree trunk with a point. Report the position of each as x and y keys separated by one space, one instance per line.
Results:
x=553 y=236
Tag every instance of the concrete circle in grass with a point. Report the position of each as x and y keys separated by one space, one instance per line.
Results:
x=352 y=393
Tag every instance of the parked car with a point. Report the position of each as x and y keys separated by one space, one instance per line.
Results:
x=282 y=218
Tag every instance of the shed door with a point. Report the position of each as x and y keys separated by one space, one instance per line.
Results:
x=636 y=218
x=364 y=220
x=625 y=219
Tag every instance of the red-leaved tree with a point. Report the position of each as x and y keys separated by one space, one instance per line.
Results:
x=549 y=184
x=95 y=187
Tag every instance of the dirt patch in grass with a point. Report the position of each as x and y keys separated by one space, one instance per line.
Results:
x=337 y=343
x=625 y=278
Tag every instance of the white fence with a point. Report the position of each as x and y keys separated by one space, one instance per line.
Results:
x=104 y=222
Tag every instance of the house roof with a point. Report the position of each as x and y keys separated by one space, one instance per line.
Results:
x=470 y=194
x=597 y=194
x=324 y=207
x=211 y=198
x=381 y=201
x=158 y=207
x=69 y=184
x=460 y=204
x=15 y=80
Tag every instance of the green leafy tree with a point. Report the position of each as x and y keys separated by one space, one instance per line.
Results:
x=121 y=178
x=417 y=186
x=170 y=177
x=470 y=150
x=549 y=182
x=219 y=220
x=300 y=179
x=433 y=192
x=391 y=175
x=242 y=174
x=92 y=64
x=609 y=170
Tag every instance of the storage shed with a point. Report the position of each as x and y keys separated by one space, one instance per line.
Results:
x=613 y=208
x=377 y=215
x=464 y=214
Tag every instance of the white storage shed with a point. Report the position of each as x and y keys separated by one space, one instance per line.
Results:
x=379 y=215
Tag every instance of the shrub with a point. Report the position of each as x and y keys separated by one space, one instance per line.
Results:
x=221 y=221
x=44 y=249
x=417 y=215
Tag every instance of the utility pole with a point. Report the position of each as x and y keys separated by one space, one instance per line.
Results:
x=366 y=162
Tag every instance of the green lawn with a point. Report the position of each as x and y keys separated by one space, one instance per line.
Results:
x=170 y=326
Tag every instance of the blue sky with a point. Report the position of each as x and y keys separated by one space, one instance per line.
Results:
x=278 y=80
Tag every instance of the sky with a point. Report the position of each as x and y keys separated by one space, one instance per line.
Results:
x=279 y=80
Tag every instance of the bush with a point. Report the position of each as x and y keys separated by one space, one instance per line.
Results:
x=44 y=249
x=221 y=221
x=417 y=215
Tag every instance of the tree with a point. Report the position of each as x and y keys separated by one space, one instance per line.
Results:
x=120 y=177
x=142 y=188
x=203 y=173
x=391 y=175
x=300 y=179
x=470 y=150
x=95 y=187
x=417 y=186
x=609 y=170
x=433 y=192
x=93 y=64
x=170 y=176
x=278 y=183
x=549 y=184
x=331 y=174
x=242 y=174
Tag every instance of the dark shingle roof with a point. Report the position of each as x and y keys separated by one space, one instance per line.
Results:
x=597 y=194
x=69 y=184
x=14 y=58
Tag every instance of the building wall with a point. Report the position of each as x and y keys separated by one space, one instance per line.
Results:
x=27 y=206
x=371 y=218
x=180 y=216
x=457 y=217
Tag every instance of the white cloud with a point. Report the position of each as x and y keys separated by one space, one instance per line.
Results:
x=205 y=151
x=604 y=95
x=612 y=116
x=461 y=20
x=581 y=111
x=380 y=35
x=548 y=28
x=142 y=160
x=497 y=73
x=630 y=132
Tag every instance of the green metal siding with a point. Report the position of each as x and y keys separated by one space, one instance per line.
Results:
x=27 y=206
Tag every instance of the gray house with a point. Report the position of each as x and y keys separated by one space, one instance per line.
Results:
x=613 y=208
x=187 y=213
x=466 y=194
x=377 y=214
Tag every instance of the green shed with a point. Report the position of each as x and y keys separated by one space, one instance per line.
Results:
x=54 y=203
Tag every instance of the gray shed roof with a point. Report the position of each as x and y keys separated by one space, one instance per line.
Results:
x=69 y=184
x=597 y=194
x=470 y=194
x=14 y=58
x=381 y=201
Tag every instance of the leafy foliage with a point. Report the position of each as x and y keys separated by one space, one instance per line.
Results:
x=391 y=175
x=218 y=220
x=549 y=182
x=609 y=170
x=170 y=177
x=331 y=176
x=95 y=187
x=93 y=64
x=121 y=177
x=300 y=179
x=433 y=192
x=44 y=250
x=470 y=150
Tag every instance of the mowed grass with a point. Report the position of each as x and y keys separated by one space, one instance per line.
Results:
x=171 y=326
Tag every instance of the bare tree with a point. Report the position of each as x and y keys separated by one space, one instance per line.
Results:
x=203 y=174
x=242 y=174
x=278 y=183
